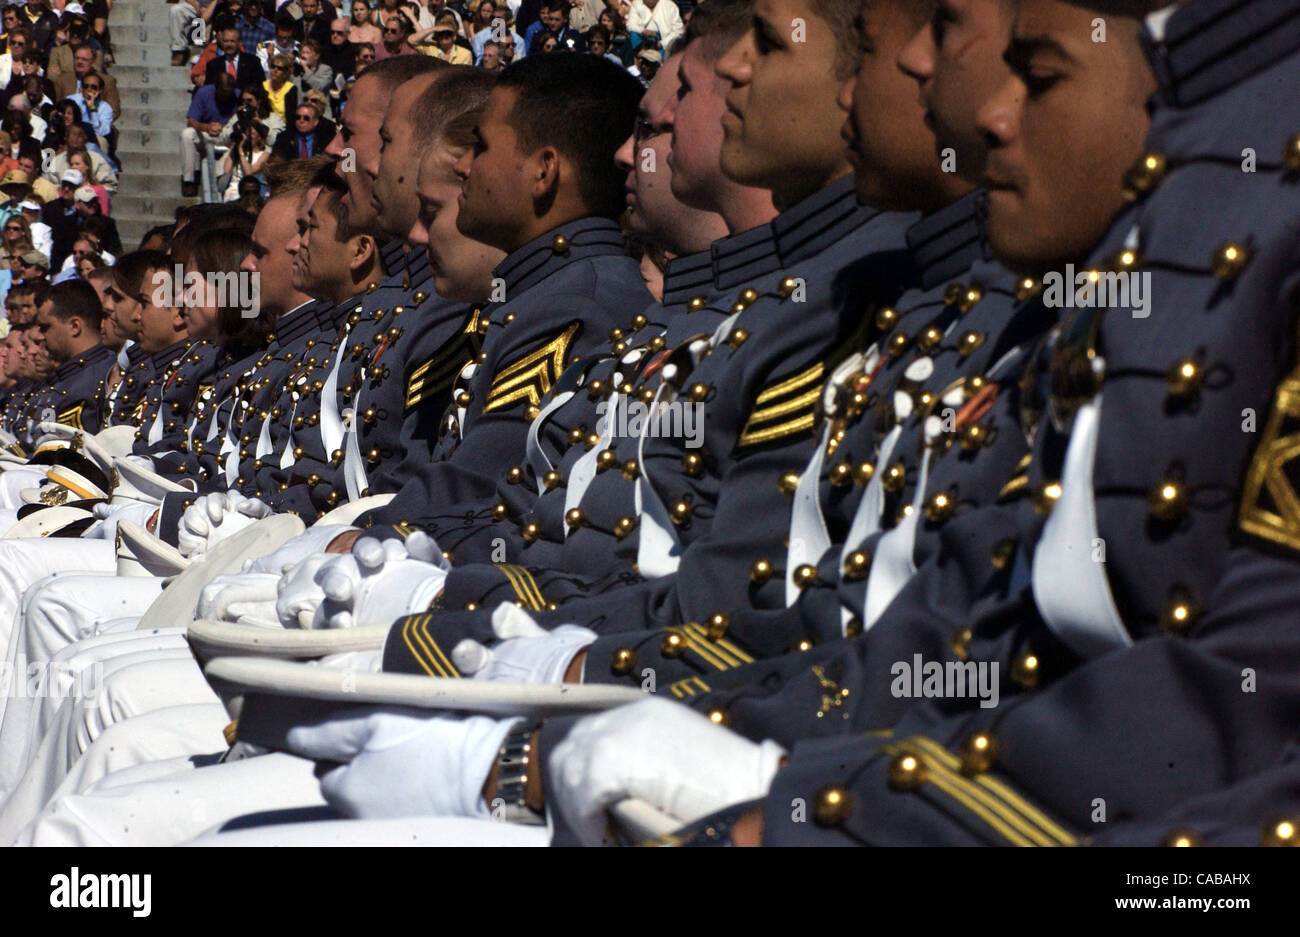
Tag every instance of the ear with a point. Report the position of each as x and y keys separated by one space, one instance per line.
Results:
x=75 y=326
x=545 y=172
x=363 y=253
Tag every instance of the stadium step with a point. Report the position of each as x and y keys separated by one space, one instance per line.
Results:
x=155 y=97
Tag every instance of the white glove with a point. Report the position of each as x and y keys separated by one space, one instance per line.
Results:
x=298 y=595
x=243 y=595
x=216 y=517
x=380 y=581
x=528 y=653
x=312 y=540
x=661 y=752
x=111 y=514
x=400 y=762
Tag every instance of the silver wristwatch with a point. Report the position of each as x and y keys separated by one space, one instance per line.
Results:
x=513 y=758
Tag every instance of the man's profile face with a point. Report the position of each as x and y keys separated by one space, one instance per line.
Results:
x=55 y=333
x=956 y=58
x=321 y=254
x=398 y=163
x=495 y=191
x=781 y=114
x=461 y=266
x=697 y=127
x=276 y=224
x=1053 y=181
x=645 y=156
x=357 y=142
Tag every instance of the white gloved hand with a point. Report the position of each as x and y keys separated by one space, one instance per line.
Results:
x=250 y=596
x=312 y=540
x=527 y=652
x=215 y=517
x=661 y=752
x=404 y=762
x=380 y=581
x=111 y=514
x=298 y=594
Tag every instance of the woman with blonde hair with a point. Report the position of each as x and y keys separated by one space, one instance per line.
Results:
x=279 y=89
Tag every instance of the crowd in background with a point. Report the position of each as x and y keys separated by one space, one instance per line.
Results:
x=290 y=66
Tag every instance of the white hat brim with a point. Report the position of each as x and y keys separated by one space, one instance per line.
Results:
x=46 y=522
x=175 y=607
x=223 y=638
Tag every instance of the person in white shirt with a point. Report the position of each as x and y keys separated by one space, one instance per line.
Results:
x=659 y=16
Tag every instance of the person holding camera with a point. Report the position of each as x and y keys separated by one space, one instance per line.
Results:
x=247 y=156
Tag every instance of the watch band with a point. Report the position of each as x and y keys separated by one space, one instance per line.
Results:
x=513 y=759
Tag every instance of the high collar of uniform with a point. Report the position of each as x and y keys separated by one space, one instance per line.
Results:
x=687 y=277
x=135 y=354
x=390 y=255
x=1203 y=48
x=296 y=323
x=556 y=249
x=816 y=222
x=163 y=359
x=87 y=359
x=741 y=258
x=945 y=243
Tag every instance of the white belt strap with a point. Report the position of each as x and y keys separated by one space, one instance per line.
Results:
x=1069 y=583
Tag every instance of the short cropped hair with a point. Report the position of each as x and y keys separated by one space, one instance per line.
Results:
x=584 y=106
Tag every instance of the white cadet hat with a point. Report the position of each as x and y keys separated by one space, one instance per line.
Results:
x=140 y=553
x=179 y=599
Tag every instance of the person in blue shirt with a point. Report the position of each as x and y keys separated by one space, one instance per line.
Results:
x=95 y=111
x=254 y=28
x=211 y=107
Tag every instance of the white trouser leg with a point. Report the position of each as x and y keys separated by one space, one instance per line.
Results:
x=56 y=613
x=12 y=483
x=402 y=831
x=175 y=809
x=132 y=684
x=179 y=18
x=69 y=668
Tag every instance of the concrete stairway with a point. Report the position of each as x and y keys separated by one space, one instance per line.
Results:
x=155 y=97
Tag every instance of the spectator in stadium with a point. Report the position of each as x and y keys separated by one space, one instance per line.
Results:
x=598 y=44
x=555 y=21
x=32 y=266
x=16 y=228
x=491 y=57
x=395 y=34
x=660 y=17
x=279 y=89
x=212 y=107
x=78 y=137
x=253 y=105
x=62 y=216
x=183 y=31
x=362 y=28
x=480 y=18
x=31 y=69
x=444 y=44
x=316 y=19
x=316 y=75
x=243 y=66
x=254 y=28
x=88 y=264
x=339 y=54
x=492 y=33
x=95 y=111
x=246 y=158
x=285 y=43
x=68 y=69
x=81 y=161
x=95 y=225
x=365 y=56
x=42 y=236
x=41 y=22
x=308 y=137
x=21 y=123
x=647 y=64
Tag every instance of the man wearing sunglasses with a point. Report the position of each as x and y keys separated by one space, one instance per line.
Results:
x=395 y=32
x=308 y=136
x=338 y=53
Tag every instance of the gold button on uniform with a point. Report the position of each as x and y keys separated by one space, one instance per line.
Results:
x=1185 y=378
x=805 y=576
x=787 y=483
x=1181 y=839
x=673 y=645
x=760 y=571
x=1046 y=496
x=622 y=661
x=895 y=477
x=574 y=517
x=886 y=318
x=1228 y=260
x=1167 y=501
x=1025 y=670
x=624 y=526
x=560 y=244
x=1283 y=832
x=857 y=565
x=906 y=772
x=1179 y=614
x=960 y=643
x=978 y=753
x=717 y=626
x=832 y=806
